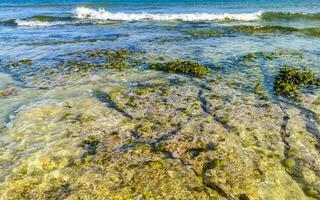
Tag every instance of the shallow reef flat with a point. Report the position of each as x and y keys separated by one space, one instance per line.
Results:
x=117 y=124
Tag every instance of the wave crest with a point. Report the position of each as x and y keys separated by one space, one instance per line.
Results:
x=83 y=15
x=102 y=14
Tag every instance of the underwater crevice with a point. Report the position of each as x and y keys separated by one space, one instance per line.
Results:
x=106 y=99
x=309 y=116
x=292 y=166
x=205 y=109
x=165 y=137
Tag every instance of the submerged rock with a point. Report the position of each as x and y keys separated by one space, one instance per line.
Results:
x=290 y=80
x=186 y=67
x=142 y=134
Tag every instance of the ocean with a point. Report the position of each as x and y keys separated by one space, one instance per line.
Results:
x=144 y=99
x=24 y=23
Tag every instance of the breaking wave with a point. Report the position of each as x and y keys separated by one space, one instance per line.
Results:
x=102 y=14
x=83 y=15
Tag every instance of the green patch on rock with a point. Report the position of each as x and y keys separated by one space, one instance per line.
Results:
x=263 y=29
x=212 y=164
x=48 y=18
x=312 y=193
x=146 y=90
x=316 y=102
x=290 y=80
x=250 y=56
x=25 y=62
x=155 y=164
x=90 y=144
x=185 y=67
x=132 y=102
x=271 y=30
x=206 y=32
x=259 y=55
x=259 y=89
x=289 y=164
x=118 y=54
x=100 y=59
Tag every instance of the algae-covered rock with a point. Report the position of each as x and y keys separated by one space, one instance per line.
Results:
x=206 y=32
x=290 y=80
x=117 y=59
x=25 y=62
x=141 y=134
x=275 y=29
x=185 y=67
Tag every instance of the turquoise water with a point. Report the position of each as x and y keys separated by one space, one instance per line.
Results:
x=20 y=28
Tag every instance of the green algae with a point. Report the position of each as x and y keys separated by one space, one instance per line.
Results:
x=259 y=89
x=206 y=32
x=312 y=193
x=225 y=119
x=250 y=56
x=110 y=99
x=263 y=29
x=10 y=22
x=24 y=62
x=146 y=90
x=316 y=102
x=48 y=18
x=254 y=30
x=136 y=165
x=231 y=84
x=117 y=59
x=117 y=54
x=290 y=164
x=118 y=65
x=314 y=32
x=287 y=16
x=90 y=144
x=185 y=67
x=290 y=81
x=132 y=102
x=270 y=30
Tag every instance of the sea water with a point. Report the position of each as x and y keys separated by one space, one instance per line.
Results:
x=48 y=113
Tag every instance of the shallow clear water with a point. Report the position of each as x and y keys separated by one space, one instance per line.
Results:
x=44 y=109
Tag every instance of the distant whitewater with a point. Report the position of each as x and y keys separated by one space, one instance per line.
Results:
x=83 y=15
x=102 y=14
x=96 y=16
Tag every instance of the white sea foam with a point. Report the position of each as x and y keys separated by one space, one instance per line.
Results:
x=102 y=14
x=31 y=23
x=92 y=16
